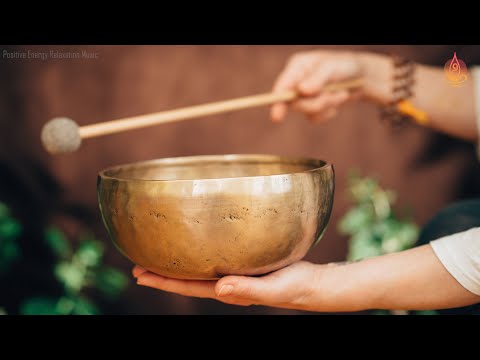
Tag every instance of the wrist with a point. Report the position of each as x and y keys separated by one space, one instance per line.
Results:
x=377 y=73
x=334 y=289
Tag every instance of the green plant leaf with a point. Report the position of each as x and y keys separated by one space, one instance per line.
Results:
x=4 y=212
x=39 y=306
x=9 y=253
x=89 y=252
x=70 y=275
x=356 y=219
x=408 y=235
x=65 y=305
x=380 y=312
x=363 y=245
x=391 y=245
x=9 y=228
x=362 y=189
x=110 y=281
x=58 y=243
x=83 y=306
x=381 y=204
x=426 y=312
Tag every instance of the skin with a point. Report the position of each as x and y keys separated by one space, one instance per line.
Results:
x=414 y=279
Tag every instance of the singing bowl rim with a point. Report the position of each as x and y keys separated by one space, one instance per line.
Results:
x=197 y=159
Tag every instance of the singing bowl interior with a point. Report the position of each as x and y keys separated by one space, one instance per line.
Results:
x=203 y=217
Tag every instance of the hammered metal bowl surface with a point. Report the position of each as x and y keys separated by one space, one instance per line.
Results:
x=203 y=217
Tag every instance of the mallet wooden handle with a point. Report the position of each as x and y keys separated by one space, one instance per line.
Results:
x=136 y=122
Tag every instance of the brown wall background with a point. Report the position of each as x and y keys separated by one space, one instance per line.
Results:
x=130 y=80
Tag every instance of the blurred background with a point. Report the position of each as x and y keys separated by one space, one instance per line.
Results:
x=49 y=202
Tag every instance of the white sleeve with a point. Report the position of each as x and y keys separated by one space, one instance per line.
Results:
x=476 y=92
x=460 y=254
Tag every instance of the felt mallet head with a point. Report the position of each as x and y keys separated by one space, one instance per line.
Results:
x=61 y=135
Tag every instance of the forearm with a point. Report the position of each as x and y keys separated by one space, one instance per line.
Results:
x=412 y=280
x=450 y=109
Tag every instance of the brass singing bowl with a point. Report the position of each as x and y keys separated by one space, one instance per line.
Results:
x=203 y=217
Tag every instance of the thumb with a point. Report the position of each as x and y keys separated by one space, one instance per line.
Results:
x=244 y=287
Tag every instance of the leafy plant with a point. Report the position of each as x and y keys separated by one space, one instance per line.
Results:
x=10 y=230
x=372 y=224
x=78 y=270
x=374 y=228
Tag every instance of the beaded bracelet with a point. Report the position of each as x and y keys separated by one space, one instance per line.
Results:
x=400 y=110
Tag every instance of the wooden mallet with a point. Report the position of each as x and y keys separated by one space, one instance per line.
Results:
x=63 y=135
